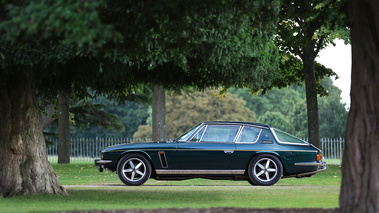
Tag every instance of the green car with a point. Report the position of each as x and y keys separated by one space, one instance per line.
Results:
x=218 y=150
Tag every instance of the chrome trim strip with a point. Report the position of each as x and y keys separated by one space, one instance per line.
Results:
x=103 y=161
x=310 y=164
x=199 y=172
x=201 y=137
x=238 y=133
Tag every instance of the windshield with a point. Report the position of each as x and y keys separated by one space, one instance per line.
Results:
x=185 y=136
x=287 y=138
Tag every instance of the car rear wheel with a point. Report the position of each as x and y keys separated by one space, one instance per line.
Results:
x=265 y=170
x=133 y=169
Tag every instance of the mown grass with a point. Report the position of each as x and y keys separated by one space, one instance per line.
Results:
x=319 y=191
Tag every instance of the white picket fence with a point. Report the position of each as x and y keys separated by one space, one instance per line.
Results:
x=87 y=149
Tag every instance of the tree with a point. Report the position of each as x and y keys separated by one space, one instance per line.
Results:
x=184 y=111
x=63 y=128
x=112 y=47
x=332 y=112
x=159 y=113
x=285 y=109
x=360 y=168
x=305 y=27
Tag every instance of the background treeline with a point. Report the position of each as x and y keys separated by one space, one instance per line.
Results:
x=284 y=109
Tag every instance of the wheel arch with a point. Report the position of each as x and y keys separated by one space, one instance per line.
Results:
x=141 y=152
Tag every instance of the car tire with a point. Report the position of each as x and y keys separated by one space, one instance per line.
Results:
x=134 y=169
x=265 y=170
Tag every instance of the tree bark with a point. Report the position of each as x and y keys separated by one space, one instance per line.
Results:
x=24 y=168
x=308 y=58
x=159 y=113
x=360 y=167
x=64 y=129
x=47 y=119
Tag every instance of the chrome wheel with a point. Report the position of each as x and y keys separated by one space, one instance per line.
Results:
x=265 y=170
x=134 y=169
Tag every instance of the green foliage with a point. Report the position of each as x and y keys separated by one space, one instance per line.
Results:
x=102 y=117
x=113 y=46
x=65 y=22
x=306 y=27
x=130 y=114
x=286 y=109
x=276 y=119
x=333 y=114
x=183 y=111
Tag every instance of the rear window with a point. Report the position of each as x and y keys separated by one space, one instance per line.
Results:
x=287 y=138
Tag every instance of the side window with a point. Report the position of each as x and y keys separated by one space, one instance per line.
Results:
x=249 y=134
x=198 y=135
x=220 y=133
x=266 y=135
x=287 y=138
x=188 y=134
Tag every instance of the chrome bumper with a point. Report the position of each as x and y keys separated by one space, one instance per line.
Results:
x=321 y=168
x=100 y=164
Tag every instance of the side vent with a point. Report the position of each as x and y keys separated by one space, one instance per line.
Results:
x=162 y=157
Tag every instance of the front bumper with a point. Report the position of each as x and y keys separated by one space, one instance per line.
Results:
x=321 y=166
x=99 y=163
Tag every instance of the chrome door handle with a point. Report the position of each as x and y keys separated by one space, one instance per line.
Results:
x=228 y=151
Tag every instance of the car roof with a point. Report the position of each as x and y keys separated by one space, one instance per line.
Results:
x=236 y=123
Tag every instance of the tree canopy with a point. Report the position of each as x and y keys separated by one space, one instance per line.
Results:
x=122 y=43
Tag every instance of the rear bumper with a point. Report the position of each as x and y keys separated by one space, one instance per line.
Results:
x=321 y=166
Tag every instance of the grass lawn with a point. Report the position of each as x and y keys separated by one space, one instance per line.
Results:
x=319 y=191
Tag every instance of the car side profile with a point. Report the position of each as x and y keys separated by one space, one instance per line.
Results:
x=257 y=153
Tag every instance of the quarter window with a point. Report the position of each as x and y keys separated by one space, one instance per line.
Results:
x=220 y=133
x=287 y=138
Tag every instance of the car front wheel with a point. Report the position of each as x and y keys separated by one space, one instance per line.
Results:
x=133 y=169
x=265 y=170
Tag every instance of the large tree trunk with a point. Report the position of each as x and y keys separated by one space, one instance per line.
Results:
x=24 y=168
x=64 y=128
x=159 y=113
x=311 y=95
x=360 y=167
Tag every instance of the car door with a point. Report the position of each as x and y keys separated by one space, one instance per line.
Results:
x=251 y=140
x=212 y=148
